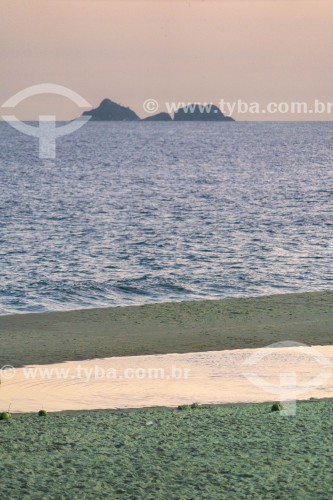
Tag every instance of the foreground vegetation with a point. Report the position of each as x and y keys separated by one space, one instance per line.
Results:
x=230 y=451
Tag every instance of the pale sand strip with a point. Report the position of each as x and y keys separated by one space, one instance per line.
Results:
x=164 y=328
x=210 y=377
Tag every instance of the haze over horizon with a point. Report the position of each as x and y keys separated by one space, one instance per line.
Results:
x=172 y=51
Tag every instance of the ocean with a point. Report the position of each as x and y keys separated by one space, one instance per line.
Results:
x=133 y=213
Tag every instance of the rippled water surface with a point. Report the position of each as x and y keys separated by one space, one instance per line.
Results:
x=149 y=212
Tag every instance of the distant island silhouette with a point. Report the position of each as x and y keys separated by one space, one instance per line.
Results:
x=160 y=117
x=197 y=112
x=111 y=111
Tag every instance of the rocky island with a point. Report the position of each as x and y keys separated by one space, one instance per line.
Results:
x=111 y=111
x=160 y=117
x=201 y=113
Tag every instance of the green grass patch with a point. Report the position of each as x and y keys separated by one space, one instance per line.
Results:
x=218 y=452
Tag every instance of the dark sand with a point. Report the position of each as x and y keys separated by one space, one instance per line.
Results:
x=222 y=452
x=166 y=328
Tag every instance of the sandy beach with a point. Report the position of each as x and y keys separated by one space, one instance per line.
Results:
x=169 y=380
x=166 y=328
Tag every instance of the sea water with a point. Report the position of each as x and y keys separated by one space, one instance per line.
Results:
x=132 y=213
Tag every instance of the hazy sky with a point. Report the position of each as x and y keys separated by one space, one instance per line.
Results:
x=169 y=50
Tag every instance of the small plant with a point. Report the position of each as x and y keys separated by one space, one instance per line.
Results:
x=42 y=413
x=5 y=415
x=193 y=406
x=182 y=407
x=276 y=407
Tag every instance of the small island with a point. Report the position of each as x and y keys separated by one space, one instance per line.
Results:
x=160 y=117
x=111 y=111
x=201 y=113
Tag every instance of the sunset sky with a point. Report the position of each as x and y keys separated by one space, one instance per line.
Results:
x=170 y=50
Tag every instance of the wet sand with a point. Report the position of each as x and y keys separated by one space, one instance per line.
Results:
x=166 y=328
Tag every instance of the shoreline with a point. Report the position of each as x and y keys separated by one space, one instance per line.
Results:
x=163 y=328
x=160 y=302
